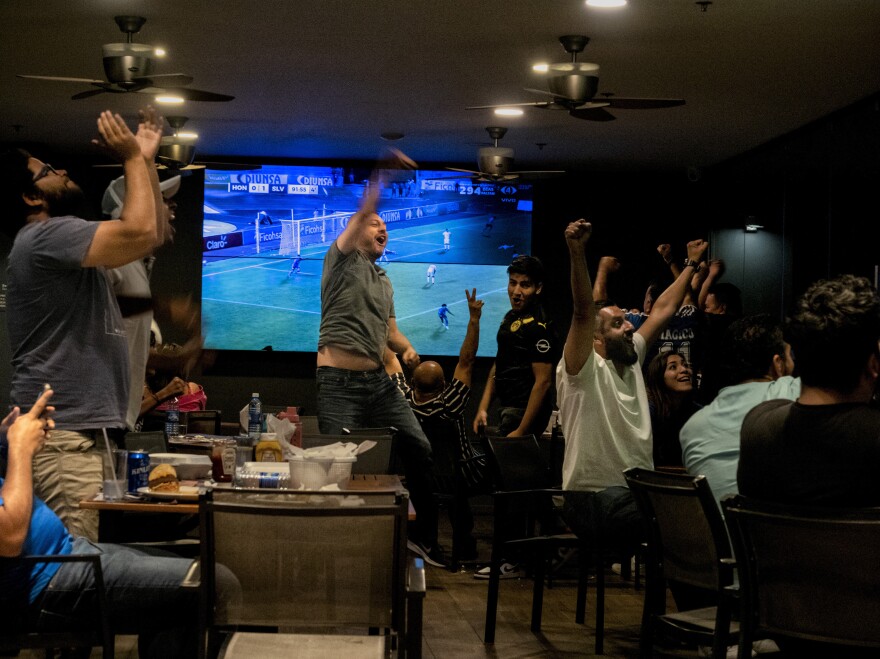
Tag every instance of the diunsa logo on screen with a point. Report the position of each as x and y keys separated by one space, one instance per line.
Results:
x=259 y=177
x=314 y=180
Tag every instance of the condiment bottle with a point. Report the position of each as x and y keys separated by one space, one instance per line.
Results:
x=268 y=448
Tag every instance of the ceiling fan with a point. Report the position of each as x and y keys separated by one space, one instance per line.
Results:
x=495 y=161
x=573 y=86
x=128 y=67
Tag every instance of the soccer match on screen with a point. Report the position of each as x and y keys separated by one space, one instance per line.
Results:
x=266 y=232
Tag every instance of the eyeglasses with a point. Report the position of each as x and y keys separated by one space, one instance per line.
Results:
x=45 y=170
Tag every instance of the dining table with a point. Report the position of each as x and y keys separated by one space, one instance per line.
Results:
x=119 y=520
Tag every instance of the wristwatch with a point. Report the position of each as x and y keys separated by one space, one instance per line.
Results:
x=696 y=265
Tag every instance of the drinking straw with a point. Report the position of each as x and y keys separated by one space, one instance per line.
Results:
x=109 y=456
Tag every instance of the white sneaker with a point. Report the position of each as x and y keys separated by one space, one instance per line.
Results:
x=508 y=571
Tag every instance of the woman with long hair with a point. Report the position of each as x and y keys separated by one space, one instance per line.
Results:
x=669 y=381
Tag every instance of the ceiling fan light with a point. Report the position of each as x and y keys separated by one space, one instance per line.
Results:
x=508 y=112
x=160 y=52
x=543 y=67
x=169 y=100
x=606 y=4
x=190 y=136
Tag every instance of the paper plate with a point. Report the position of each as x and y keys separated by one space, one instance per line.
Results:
x=186 y=493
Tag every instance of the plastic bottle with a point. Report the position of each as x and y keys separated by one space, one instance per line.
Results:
x=268 y=448
x=255 y=414
x=172 y=418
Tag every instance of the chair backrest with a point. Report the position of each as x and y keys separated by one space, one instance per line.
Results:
x=377 y=460
x=369 y=432
x=808 y=573
x=309 y=425
x=328 y=560
x=442 y=434
x=685 y=529
x=202 y=422
x=517 y=463
x=151 y=441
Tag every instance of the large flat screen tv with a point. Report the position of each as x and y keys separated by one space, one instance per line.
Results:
x=266 y=232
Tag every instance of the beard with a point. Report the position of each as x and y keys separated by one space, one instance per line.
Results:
x=69 y=200
x=621 y=351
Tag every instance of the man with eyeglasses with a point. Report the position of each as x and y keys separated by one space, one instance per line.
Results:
x=63 y=322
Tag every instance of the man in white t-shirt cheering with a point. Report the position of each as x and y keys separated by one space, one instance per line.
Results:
x=602 y=401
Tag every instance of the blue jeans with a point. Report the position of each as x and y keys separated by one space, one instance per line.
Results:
x=144 y=597
x=370 y=399
x=610 y=515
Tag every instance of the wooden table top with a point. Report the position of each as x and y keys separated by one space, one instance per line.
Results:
x=357 y=483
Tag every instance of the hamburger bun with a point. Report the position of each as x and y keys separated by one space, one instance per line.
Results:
x=164 y=479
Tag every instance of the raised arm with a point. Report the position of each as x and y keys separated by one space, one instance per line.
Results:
x=668 y=303
x=579 y=343
x=134 y=235
x=347 y=241
x=26 y=437
x=716 y=270
x=607 y=266
x=468 y=353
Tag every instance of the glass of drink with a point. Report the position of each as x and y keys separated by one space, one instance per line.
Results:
x=116 y=475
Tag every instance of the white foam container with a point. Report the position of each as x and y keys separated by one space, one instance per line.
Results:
x=314 y=473
x=189 y=466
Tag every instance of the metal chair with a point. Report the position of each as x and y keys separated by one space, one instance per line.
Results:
x=522 y=482
x=201 y=422
x=306 y=562
x=687 y=551
x=806 y=575
x=20 y=631
x=150 y=441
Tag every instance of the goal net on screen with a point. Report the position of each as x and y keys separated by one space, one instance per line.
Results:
x=296 y=234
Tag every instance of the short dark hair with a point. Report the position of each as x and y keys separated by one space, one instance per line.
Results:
x=730 y=296
x=748 y=347
x=530 y=266
x=15 y=180
x=833 y=330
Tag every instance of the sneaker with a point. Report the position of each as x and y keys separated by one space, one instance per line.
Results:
x=433 y=556
x=508 y=571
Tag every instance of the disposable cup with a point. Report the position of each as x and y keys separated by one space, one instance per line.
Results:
x=116 y=475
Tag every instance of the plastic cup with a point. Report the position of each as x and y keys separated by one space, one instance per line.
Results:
x=116 y=475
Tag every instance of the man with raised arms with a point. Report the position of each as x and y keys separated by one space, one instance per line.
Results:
x=357 y=324
x=603 y=405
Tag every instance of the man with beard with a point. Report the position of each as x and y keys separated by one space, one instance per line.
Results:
x=63 y=321
x=603 y=405
x=358 y=323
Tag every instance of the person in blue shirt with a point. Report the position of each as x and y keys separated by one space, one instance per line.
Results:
x=442 y=313
x=144 y=591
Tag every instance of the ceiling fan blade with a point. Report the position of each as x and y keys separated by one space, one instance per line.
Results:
x=592 y=114
x=549 y=93
x=465 y=171
x=87 y=81
x=173 y=79
x=643 y=103
x=533 y=104
x=187 y=94
x=107 y=89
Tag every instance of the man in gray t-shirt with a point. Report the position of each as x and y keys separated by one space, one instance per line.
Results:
x=357 y=325
x=64 y=324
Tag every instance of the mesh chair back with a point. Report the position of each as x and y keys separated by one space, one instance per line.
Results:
x=204 y=422
x=808 y=573
x=684 y=525
x=152 y=441
x=327 y=560
x=377 y=460
x=309 y=425
x=443 y=435
x=517 y=463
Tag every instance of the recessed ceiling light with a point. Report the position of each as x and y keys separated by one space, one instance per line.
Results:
x=541 y=68
x=159 y=52
x=606 y=4
x=508 y=112
x=169 y=100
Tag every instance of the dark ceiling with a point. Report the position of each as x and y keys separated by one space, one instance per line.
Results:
x=324 y=78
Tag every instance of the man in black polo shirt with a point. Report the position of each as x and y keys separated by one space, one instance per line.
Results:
x=522 y=375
